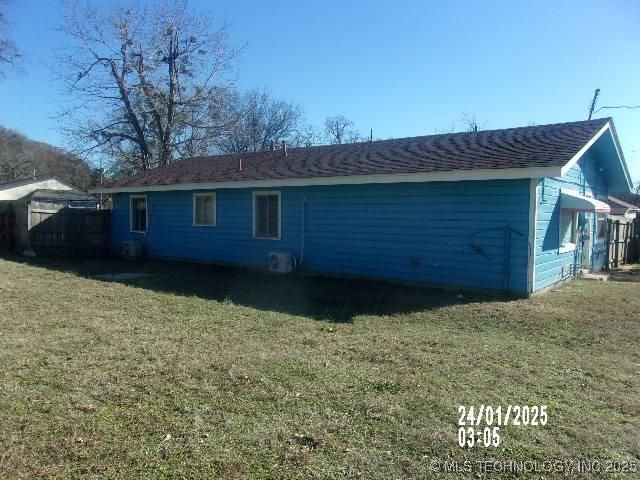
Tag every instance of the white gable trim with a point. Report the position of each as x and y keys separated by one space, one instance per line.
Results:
x=582 y=151
x=15 y=193
x=450 y=176
x=616 y=143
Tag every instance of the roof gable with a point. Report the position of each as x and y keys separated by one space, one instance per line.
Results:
x=15 y=189
x=605 y=146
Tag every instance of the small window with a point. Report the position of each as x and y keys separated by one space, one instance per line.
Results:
x=204 y=209
x=568 y=230
x=266 y=215
x=601 y=226
x=139 y=213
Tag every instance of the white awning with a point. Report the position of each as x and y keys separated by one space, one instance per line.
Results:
x=570 y=200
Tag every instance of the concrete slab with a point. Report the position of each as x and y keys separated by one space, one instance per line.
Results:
x=601 y=277
x=120 y=277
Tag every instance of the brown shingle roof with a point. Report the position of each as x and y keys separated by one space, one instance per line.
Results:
x=535 y=146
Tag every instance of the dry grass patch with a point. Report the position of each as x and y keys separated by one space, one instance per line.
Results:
x=204 y=372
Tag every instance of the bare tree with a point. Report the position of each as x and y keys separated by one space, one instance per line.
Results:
x=305 y=136
x=256 y=119
x=9 y=54
x=451 y=128
x=470 y=122
x=145 y=84
x=339 y=129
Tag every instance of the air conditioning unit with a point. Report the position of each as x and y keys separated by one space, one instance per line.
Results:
x=281 y=262
x=131 y=249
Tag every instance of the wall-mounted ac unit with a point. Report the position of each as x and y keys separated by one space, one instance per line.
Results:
x=131 y=249
x=281 y=262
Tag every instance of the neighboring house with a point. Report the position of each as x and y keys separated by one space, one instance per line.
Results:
x=632 y=199
x=28 y=209
x=19 y=188
x=624 y=207
x=518 y=209
x=624 y=229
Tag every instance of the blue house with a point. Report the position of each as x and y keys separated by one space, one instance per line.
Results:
x=517 y=210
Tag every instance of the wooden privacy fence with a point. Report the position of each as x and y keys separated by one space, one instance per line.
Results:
x=69 y=232
x=623 y=242
x=7 y=227
x=634 y=247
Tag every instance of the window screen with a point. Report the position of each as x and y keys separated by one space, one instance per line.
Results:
x=601 y=226
x=267 y=215
x=139 y=214
x=204 y=208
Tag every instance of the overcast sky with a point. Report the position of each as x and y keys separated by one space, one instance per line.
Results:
x=402 y=68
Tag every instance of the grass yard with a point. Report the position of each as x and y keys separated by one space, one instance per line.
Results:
x=212 y=372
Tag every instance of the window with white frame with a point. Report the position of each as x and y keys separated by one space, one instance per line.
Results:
x=138 y=213
x=601 y=226
x=568 y=229
x=204 y=209
x=266 y=215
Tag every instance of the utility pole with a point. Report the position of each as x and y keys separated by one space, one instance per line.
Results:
x=592 y=107
x=100 y=196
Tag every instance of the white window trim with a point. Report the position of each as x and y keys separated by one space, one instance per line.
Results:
x=569 y=246
x=215 y=209
x=262 y=193
x=146 y=202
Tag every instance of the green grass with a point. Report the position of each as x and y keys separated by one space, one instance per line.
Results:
x=211 y=372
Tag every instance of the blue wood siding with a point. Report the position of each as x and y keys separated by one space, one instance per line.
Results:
x=443 y=233
x=551 y=266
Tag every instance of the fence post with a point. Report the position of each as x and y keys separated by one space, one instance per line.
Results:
x=625 y=247
x=607 y=257
x=617 y=243
x=635 y=235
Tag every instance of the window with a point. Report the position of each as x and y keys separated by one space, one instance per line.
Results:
x=601 y=226
x=568 y=230
x=266 y=215
x=204 y=209
x=138 y=213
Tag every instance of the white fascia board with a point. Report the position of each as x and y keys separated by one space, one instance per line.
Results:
x=616 y=144
x=582 y=151
x=450 y=176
